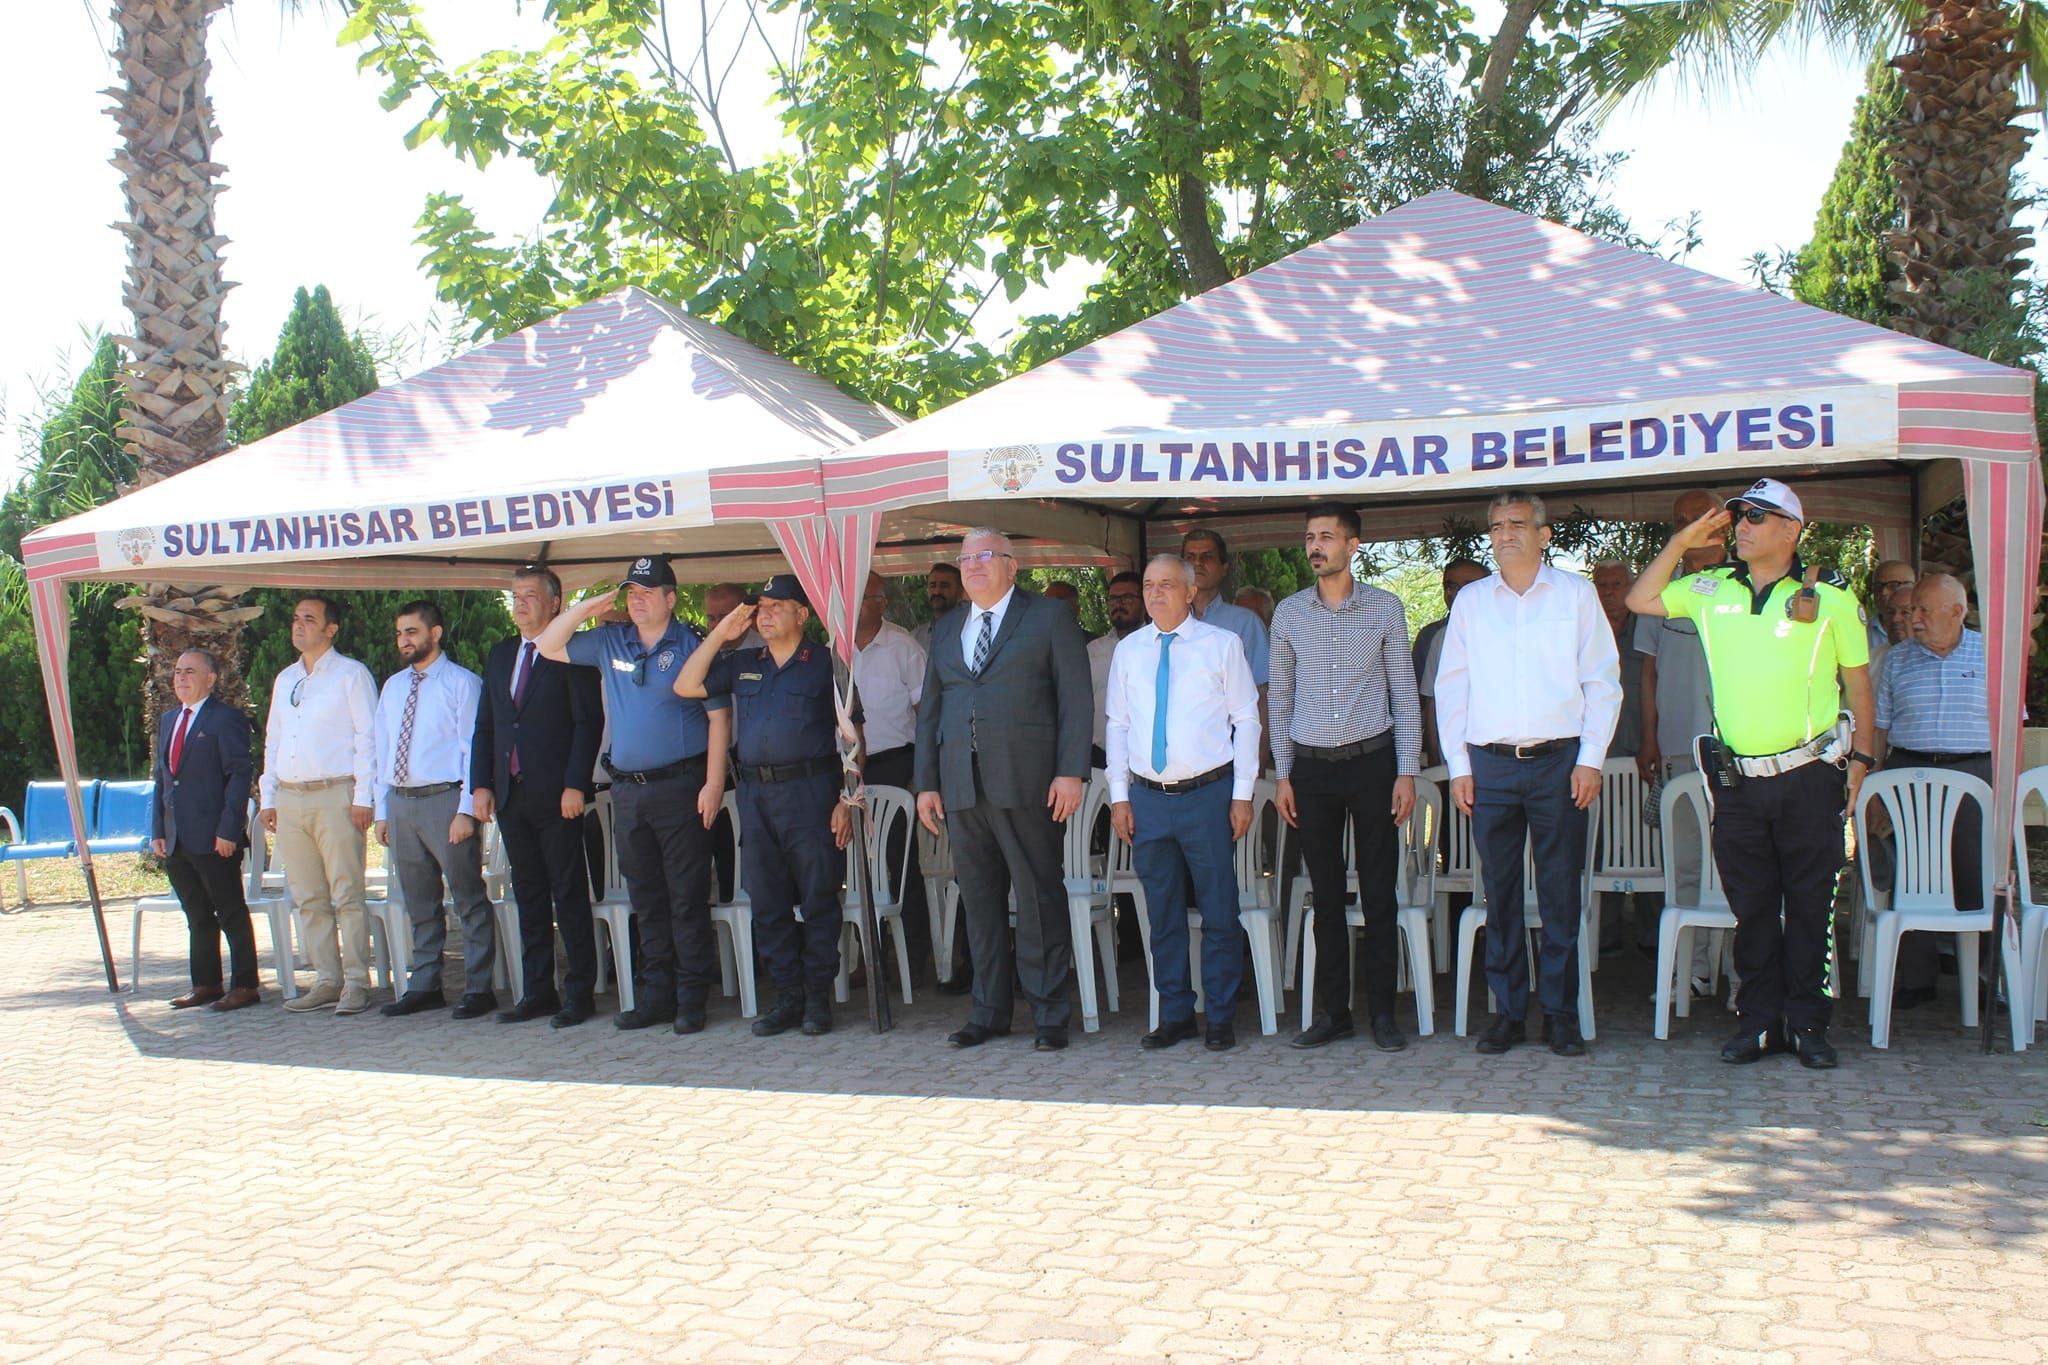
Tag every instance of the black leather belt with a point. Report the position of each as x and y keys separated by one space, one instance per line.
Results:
x=1186 y=784
x=1372 y=744
x=788 y=772
x=431 y=789
x=1922 y=758
x=1536 y=750
x=694 y=764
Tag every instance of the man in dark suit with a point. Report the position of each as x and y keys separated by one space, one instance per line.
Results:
x=1002 y=758
x=537 y=732
x=199 y=825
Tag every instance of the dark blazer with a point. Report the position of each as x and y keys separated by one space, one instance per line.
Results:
x=208 y=797
x=1028 y=716
x=557 y=729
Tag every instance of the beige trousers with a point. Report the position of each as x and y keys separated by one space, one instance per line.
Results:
x=322 y=853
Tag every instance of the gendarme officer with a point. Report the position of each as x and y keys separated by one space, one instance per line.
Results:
x=1777 y=638
x=667 y=762
x=793 y=829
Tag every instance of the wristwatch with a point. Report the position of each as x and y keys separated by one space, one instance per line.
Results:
x=1865 y=759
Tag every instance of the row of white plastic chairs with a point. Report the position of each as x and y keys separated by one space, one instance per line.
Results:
x=1623 y=856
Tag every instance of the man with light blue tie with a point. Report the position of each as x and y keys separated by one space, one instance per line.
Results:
x=1182 y=739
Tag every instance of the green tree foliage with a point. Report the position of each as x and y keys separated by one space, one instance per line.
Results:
x=1845 y=267
x=71 y=462
x=320 y=364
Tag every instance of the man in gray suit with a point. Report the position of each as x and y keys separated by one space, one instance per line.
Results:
x=1002 y=758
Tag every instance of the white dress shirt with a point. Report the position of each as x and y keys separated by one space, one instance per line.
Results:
x=443 y=724
x=528 y=645
x=972 y=630
x=1520 y=668
x=1100 y=650
x=889 y=671
x=1212 y=709
x=326 y=728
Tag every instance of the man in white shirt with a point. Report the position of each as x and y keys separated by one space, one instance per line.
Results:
x=1183 y=743
x=1126 y=614
x=1528 y=691
x=426 y=720
x=319 y=764
x=888 y=673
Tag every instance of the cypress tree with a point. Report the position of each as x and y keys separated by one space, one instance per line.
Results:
x=1846 y=268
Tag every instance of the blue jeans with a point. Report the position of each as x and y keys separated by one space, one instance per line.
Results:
x=1182 y=846
x=1530 y=799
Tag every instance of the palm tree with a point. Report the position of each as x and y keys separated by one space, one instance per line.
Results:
x=177 y=376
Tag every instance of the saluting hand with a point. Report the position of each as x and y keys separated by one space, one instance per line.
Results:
x=733 y=624
x=1710 y=529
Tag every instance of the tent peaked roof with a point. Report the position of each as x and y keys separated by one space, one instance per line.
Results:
x=624 y=391
x=1445 y=307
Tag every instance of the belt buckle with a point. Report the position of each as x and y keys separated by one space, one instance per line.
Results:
x=640 y=778
x=1520 y=748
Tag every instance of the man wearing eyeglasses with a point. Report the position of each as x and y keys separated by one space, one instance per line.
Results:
x=1002 y=758
x=1783 y=649
x=319 y=768
x=667 y=764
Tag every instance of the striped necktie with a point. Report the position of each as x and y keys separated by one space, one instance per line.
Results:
x=984 y=640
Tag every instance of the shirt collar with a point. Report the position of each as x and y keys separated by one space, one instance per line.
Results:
x=976 y=611
x=1350 y=599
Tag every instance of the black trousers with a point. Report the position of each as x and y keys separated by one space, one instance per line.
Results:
x=209 y=888
x=895 y=768
x=995 y=848
x=665 y=856
x=1326 y=795
x=550 y=880
x=1778 y=844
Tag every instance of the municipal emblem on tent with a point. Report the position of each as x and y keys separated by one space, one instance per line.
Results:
x=1011 y=467
x=136 y=544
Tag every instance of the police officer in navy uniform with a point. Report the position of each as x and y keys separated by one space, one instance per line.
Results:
x=793 y=829
x=667 y=764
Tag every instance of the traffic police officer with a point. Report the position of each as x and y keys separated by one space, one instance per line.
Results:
x=793 y=828
x=1776 y=638
x=667 y=764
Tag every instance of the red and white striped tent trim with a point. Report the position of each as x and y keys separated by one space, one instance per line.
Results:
x=620 y=428
x=1417 y=363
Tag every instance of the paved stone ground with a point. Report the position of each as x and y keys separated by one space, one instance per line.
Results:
x=262 y=1186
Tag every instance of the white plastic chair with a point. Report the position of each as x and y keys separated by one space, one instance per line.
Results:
x=1454 y=866
x=736 y=917
x=889 y=817
x=1474 y=919
x=1415 y=901
x=941 y=892
x=276 y=909
x=612 y=913
x=1088 y=905
x=1628 y=854
x=2031 y=982
x=1922 y=804
x=1679 y=922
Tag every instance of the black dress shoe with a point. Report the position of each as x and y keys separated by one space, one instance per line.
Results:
x=786 y=1013
x=1167 y=1034
x=415 y=1002
x=1563 y=1037
x=974 y=1035
x=1504 y=1034
x=1752 y=1045
x=1911 y=998
x=1050 y=1040
x=529 y=1008
x=574 y=1013
x=1221 y=1037
x=476 y=1006
x=1387 y=1035
x=691 y=1019
x=644 y=1016
x=1813 y=1049
x=197 y=996
x=1325 y=1030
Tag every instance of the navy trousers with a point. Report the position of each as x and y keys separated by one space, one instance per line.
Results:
x=789 y=859
x=1530 y=799
x=1183 y=854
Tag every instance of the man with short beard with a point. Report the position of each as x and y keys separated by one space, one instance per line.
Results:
x=426 y=719
x=942 y=592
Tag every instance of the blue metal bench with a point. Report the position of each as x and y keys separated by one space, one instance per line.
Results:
x=122 y=824
x=44 y=831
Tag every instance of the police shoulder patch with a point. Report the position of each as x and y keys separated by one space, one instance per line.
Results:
x=1706 y=585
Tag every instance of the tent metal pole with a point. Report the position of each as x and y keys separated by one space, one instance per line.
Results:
x=99 y=922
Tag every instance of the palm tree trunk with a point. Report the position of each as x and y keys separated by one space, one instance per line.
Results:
x=176 y=381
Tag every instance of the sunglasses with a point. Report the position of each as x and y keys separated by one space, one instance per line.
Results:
x=1756 y=516
x=299 y=690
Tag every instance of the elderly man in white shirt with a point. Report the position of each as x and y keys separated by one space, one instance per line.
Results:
x=319 y=762
x=1183 y=744
x=1528 y=691
x=426 y=719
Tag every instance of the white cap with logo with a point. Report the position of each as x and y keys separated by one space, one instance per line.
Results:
x=1772 y=496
